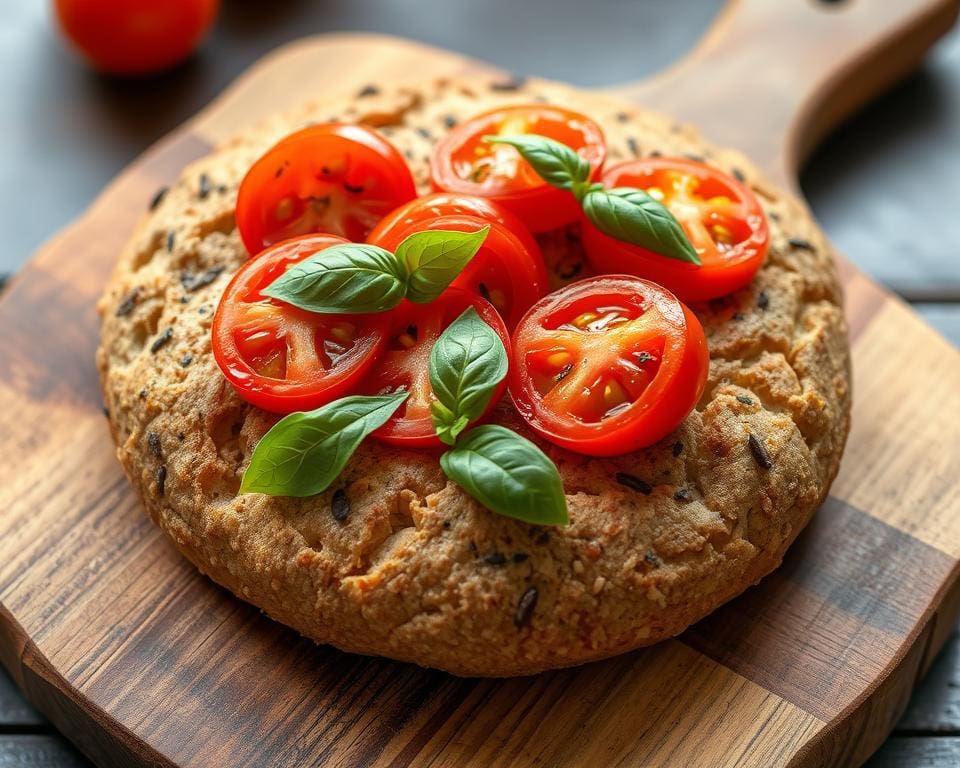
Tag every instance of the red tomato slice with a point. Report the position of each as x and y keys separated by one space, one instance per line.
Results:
x=508 y=270
x=406 y=363
x=333 y=178
x=721 y=216
x=463 y=162
x=284 y=359
x=608 y=365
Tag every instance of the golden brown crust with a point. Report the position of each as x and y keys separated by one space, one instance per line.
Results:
x=418 y=571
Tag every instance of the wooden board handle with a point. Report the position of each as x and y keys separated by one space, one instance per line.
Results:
x=802 y=67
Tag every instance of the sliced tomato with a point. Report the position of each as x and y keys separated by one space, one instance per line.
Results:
x=608 y=365
x=463 y=162
x=508 y=270
x=721 y=216
x=405 y=365
x=333 y=178
x=281 y=358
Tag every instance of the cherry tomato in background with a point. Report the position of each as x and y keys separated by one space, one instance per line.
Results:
x=405 y=365
x=281 y=358
x=334 y=178
x=608 y=365
x=136 y=37
x=463 y=162
x=721 y=216
x=508 y=270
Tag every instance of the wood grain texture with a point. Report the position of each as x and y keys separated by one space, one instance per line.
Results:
x=142 y=661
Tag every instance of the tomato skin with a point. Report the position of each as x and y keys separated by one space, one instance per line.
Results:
x=671 y=338
x=508 y=270
x=537 y=204
x=412 y=426
x=238 y=334
x=136 y=37
x=334 y=178
x=721 y=271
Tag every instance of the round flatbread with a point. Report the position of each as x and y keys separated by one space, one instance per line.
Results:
x=409 y=566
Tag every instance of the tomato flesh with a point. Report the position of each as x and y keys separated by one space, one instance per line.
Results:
x=463 y=162
x=508 y=270
x=608 y=365
x=405 y=365
x=722 y=217
x=334 y=178
x=284 y=359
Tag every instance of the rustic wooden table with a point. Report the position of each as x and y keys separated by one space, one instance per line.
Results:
x=884 y=186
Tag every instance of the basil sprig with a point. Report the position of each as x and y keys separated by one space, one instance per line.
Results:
x=503 y=471
x=624 y=213
x=467 y=363
x=357 y=277
x=303 y=453
x=507 y=474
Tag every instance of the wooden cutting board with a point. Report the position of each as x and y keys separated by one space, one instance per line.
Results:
x=142 y=661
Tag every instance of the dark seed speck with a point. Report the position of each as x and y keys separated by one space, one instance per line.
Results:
x=695 y=157
x=170 y=240
x=520 y=557
x=745 y=400
x=800 y=243
x=425 y=132
x=759 y=451
x=623 y=117
x=161 y=480
x=161 y=341
x=525 y=608
x=158 y=197
x=495 y=558
x=738 y=175
x=129 y=302
x=683 y=495
x=651 y=559
x=368 y=90
x=153 y=442
x=513 y=84
x=763 y=300
x=633 y=146
x=677 y=448
x=186 y=360
x=191 y=282
x=340 y=505
x=449 y=121
x=204 y=189
x=634 y=483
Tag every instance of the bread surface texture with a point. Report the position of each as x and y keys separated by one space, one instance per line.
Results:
x=417 y=570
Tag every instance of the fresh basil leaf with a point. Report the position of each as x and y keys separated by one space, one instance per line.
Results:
x=352 y=278
x=303 y=453
x=555 y=163
x=467 y=363
x=633 y=216
x=507 y=474
x=434 y=258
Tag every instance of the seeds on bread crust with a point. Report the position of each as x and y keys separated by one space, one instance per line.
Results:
x=403 y=573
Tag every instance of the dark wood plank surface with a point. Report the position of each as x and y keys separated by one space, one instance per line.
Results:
x=883 y=174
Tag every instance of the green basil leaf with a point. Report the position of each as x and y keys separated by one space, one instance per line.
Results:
x=303 y=453
x=633 y=216
x=507 y=474
x=467 y=363
x=434 y=258
x=555 y=163
x=350 y=278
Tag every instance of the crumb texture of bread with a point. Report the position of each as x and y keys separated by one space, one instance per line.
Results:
x=417 y=570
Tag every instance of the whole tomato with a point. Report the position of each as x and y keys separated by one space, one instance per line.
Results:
x=136 y=37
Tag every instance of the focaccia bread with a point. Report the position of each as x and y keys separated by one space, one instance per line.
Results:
x=396 y=560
